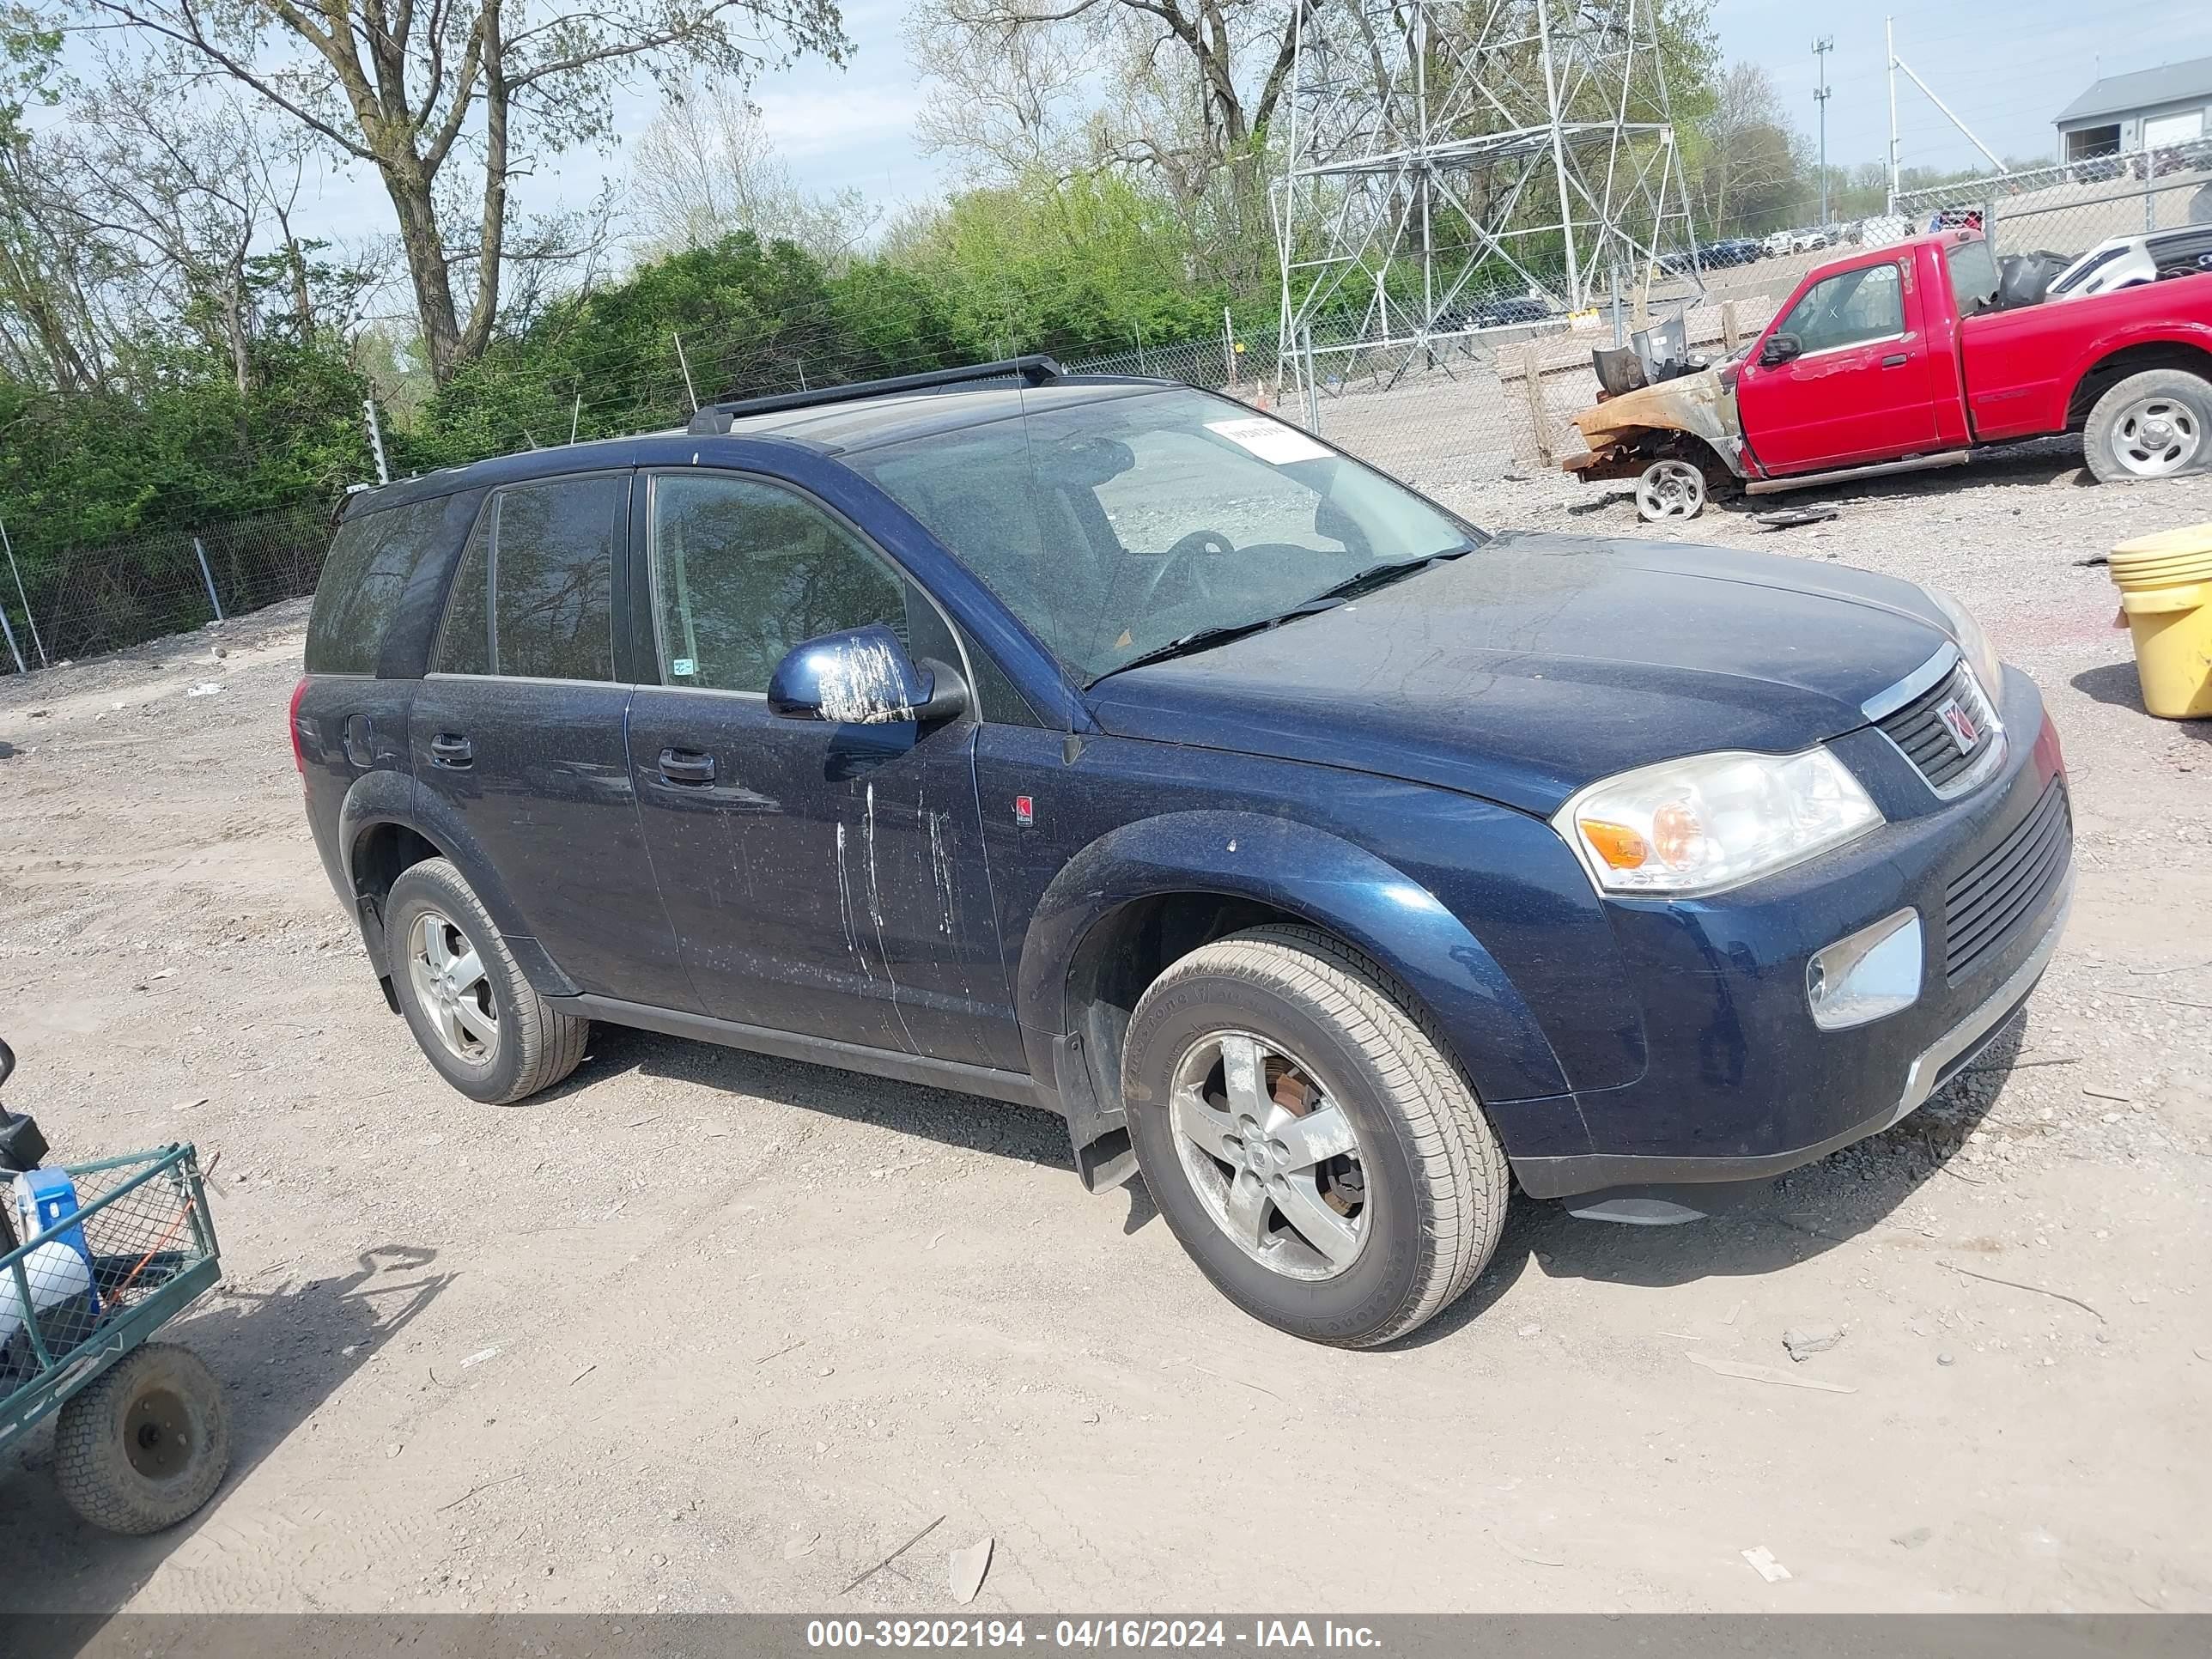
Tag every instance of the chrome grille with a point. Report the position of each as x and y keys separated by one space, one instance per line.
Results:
x=1924 y=735
x=1984 y=903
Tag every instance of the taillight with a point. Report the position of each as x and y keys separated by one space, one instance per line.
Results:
x=299 y=754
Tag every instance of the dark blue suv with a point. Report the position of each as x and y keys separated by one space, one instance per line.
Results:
x=1105 y=746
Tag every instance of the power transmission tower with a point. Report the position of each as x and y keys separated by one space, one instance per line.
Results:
x=1443 y=155
x=1821 y=48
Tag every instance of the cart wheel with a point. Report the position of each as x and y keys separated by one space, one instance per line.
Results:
x=146 y=1444
x=1669 y=490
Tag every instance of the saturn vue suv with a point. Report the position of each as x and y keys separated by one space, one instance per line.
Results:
x=1106 y=746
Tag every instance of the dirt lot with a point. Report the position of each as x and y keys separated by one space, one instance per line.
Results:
x=704 y=1331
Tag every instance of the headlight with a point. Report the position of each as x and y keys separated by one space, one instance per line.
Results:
x=1711 y=821
x=1974 y=644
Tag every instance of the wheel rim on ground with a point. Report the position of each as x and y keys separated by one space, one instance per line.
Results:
x=450 y=984
x=2156 y=437
x=1275 y=1161
x=1670 y=490
x=157 y=1435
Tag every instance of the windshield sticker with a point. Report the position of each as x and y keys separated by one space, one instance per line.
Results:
x=1271 y=441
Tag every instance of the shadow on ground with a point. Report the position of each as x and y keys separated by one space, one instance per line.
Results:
x=966 y=1121
x=279 y=1356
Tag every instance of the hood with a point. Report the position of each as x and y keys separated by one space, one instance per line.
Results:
x=1537 y=664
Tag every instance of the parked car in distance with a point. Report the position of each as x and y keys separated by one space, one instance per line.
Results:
x=1895 y=359
x=1777 y=245
x=1810 y=239
x=1105 y=746
x=1506 y=311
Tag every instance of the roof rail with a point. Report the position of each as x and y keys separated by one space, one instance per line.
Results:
x=714 y=419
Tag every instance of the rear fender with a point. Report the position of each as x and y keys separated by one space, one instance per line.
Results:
x=392 y=797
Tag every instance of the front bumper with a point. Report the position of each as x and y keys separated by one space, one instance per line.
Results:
x=1741 y=1084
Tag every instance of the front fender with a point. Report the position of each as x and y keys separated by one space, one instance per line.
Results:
x=393 y=797
x=1321 y=878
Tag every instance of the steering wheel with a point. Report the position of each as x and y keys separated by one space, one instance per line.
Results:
x=1190 y=551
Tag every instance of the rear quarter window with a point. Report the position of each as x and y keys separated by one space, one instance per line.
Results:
x=371 y=560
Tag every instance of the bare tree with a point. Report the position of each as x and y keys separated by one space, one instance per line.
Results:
x=426 y=92
x=706 y=166
x=1749 y=158
x=1010 y=69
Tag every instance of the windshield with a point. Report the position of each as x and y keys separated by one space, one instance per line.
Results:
x=1113 y=526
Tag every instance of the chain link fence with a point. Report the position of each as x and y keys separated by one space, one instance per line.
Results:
x=77 y=601
x=2070 y=208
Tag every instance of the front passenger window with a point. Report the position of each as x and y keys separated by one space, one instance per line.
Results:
x=1849 y=309
x=743 y=570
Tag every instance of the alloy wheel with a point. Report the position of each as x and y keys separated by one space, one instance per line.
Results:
x=1669 y=490
x=450 y=984
x=2157 y=437
x=1274 y=1160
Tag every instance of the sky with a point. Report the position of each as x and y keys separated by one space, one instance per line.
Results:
x=2007 y=67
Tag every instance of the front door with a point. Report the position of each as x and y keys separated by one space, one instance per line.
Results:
x=1858 y=390
x=519 y=727
x=826 y=880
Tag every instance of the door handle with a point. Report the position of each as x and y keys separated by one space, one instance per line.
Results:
x=1895 y=360
x=452 y=750
x=686 y=766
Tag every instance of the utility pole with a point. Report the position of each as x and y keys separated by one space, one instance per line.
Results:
x=1889 y=54
x=1821 y=48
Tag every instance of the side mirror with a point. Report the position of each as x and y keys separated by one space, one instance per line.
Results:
x=863 y=678
x=1780 y=349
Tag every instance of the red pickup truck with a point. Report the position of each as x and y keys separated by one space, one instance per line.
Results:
x=1895 y=359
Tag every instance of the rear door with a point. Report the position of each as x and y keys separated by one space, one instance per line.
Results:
x=825 y=880
x=1858 y=390
x=519 y=728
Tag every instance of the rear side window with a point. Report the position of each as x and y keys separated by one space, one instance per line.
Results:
x=1973 y=277
x=533 y=598
x=371 y=561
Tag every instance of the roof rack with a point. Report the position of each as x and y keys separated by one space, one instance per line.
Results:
x=714 y=419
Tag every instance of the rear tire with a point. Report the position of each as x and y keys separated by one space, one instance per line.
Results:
x=2157 y=424
x=146 y=1444
x=1413 y=1208
x=473 y=1014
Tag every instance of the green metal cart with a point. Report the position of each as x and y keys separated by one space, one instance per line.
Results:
x=142 y=1439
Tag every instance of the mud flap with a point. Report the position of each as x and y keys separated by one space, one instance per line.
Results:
x=1098 y=1134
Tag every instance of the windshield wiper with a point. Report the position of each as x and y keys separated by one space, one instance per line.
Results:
x=1363 y=581
x=1382 y=575
x=1204 y=639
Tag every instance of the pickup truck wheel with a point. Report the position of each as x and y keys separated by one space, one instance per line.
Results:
x=1312 y=1148
x=1670 y=489
x=2152 y=425
x=473 y=1014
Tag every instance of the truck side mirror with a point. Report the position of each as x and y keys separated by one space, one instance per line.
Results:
x=1780 y=349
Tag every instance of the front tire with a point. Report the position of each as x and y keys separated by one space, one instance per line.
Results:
x=2157 y=424
x=1670 y=487
x=1311 y=1147
x=473 y=1014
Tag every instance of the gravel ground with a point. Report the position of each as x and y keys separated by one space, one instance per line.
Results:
x=705 y=1331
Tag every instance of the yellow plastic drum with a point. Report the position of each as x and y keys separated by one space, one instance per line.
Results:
x=2166 y=593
